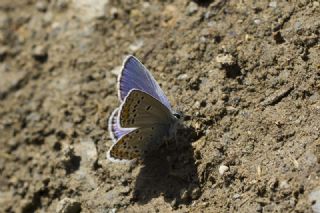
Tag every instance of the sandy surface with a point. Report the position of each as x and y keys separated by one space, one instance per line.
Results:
x=246 y=74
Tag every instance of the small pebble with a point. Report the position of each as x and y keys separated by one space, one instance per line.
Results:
x=223 y=169
x=196 y=105
x=273 y=4
x=40 y=53
x=192 y=8
x=225 y=59
x=41 y=6
x=257 y=21
x=174 y=203
x=236 y=196
x=314 y=198
x=284 y=185
x=116 y=71
x=182 y=76
x=88 y=152
x=195 y=194
x=273 y=183
x=68 y=205
x=114 y=12
x=259 y=208
x=136 y=45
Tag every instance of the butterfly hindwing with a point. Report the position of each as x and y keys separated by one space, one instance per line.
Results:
x=140 y=109
x=114 y=127
x=137 y=143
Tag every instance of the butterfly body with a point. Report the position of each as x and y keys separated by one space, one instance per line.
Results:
x=144 y=118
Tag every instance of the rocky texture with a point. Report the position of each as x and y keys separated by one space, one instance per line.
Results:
x=244 y=73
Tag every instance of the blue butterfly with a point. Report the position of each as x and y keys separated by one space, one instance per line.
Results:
x=145 y=117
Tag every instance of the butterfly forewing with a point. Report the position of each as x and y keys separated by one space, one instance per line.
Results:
x=137 y=143
x=140 y=109
x=134 y=75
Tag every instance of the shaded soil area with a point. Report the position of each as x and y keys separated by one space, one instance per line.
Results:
x=246 y=75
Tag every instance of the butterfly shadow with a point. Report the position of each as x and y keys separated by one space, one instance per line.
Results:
x=170 y=172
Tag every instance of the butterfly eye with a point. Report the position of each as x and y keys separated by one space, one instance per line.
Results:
x=177 y=115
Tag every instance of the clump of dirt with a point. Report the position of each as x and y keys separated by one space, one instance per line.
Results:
x=246 y=74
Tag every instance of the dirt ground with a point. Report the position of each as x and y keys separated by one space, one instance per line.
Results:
x=246 y=75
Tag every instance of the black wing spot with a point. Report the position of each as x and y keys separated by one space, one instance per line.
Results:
x=149 y=107
x=142 y=97
x=152 y=128
x=134 y=110
x=138 y=102
x=135 y=106
x=137 y=131
x=132 y=121
x=140 y=138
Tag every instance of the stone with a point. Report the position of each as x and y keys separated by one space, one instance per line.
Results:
x=116 y=71
x=273 y=4
x=223 y=169
x=225 y=59
x=42 y=6
x=182 y=76
x=195 y=194
x=68 y=205
x=236 y=196
x=40 y=53
x=88 y=152
x=192 y=8
x=284 y=184
x=136 y=45
x=90 y=10
x=314 y=198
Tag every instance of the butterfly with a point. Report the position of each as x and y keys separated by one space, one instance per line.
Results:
x=144 y=118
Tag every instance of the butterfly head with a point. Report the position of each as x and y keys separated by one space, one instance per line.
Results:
x=178 y=119
x=178 y=115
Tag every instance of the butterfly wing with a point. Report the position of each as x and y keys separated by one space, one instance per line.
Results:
x=145 y=111
x=140 y=109
x=134 y=75
x=115 y=130
x=137 y=143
